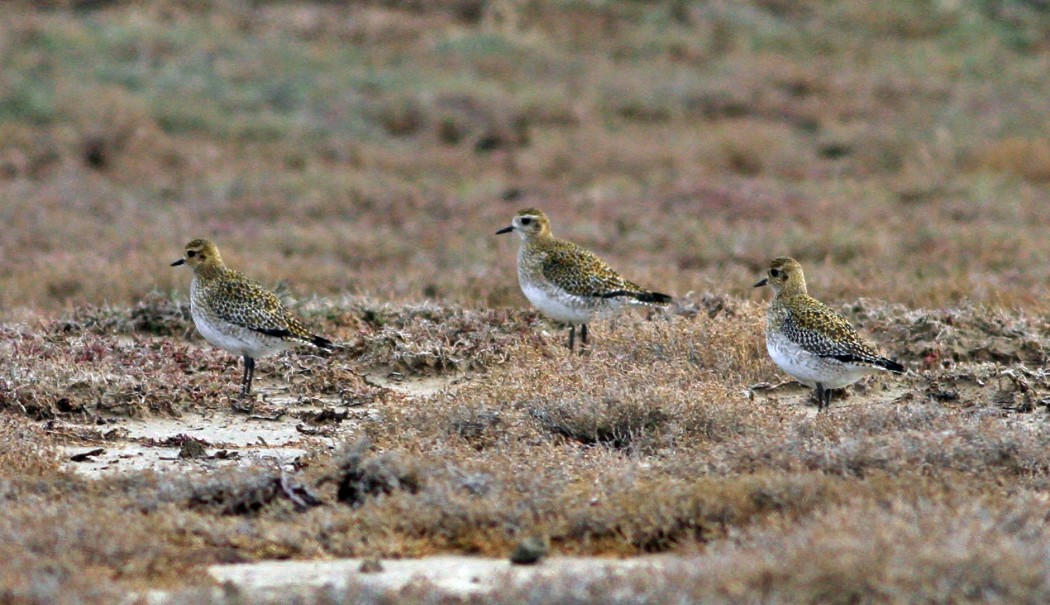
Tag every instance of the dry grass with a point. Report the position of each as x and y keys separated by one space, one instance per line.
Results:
x=650 y=443
x=688 y=143
x=359 y=157
x=27 y=451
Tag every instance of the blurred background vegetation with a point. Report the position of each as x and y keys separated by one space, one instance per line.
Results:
x=900 y=149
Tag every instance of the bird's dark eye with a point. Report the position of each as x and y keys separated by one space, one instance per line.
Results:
x=526 y=221
x=774 y=272
x=191 y=253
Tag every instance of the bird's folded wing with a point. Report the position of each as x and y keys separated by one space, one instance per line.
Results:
x=824 y=332
x=581 y=272
x=249 y=305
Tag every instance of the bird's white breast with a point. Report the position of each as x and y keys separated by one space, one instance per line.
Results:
x=809 y=369
x=559 y=306
x=235 y=339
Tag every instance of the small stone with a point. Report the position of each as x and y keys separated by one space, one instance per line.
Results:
x=529 y=551
x=192 y=449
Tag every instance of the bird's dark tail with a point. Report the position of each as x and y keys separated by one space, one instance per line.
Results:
x=640 y=296
x=890 y=365
x=881 y=362
x=300 y=334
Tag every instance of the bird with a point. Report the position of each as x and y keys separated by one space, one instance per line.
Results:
x=237 y=314
x=566 y=282
x=812 y=343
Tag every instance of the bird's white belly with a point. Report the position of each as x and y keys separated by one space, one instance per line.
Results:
x=237 y=340
x=565 y=308
x=809 y=369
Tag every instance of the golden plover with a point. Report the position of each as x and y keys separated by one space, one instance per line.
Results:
x=238 y=315
x=813 y=344
x=568 y=283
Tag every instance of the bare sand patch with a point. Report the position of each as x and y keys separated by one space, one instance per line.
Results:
x=450 y=575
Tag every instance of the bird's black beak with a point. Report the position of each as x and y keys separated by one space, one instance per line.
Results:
x=505 y=230
x=181 y=261
x=761 y=282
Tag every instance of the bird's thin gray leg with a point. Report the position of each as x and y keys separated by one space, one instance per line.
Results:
x=572 y=337
x=249 y=373
x=823 y=397
x=583 y=334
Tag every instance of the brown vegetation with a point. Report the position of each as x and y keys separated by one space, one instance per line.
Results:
x=359 y=156
x=653 y=442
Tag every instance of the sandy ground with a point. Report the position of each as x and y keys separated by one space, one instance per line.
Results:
x=454 y=576
x=273 y=433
